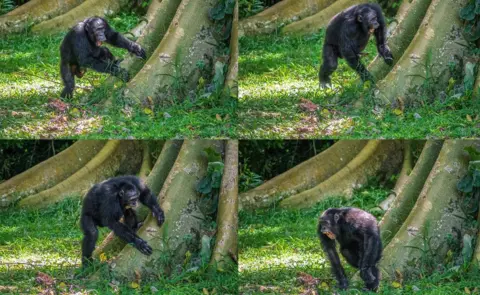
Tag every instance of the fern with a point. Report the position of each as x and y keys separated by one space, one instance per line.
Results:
x=6 y=6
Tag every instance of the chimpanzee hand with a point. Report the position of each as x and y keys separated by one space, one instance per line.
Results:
x=385 y=52
x=159 y=216
x=138 y=51
x=143 y=247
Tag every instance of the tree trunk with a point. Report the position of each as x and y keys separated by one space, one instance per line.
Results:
x=407 y=196
x=183 y=218
x=303 y=176
x=33 y=12
x=49 y=172
x=231 y=84
x=227 y=217
x=116 y=156
x=409 y=16
x=283 y=12
x=188 y=41
x=436 y=44
x=436 y=213
x=314 y=23
x=86 y=9
x=378 y=157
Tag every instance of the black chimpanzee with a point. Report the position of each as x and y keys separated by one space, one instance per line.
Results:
x=358 y=234
x=347 y=35
x=82 y=48
x=106 y=203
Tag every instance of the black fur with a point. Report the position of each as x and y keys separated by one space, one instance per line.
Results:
x=358 y=235
x=106 y=203
x=81 y=48
x=347 y=35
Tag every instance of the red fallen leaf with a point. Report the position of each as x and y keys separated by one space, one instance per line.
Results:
x=306 y=129
x=58 y=105
x=44 y=279
x=307 y=106
x=307 y=280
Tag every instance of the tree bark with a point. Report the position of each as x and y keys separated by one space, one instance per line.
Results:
x=227 y=216
x=435 y=44
x=303 y=176
x=436 y=213
x=73 y=16
x=33 y=12
x=49 y=172
x=231 y=84
x=406 y=198
x=377 y=157
x=189 y=40
x=116 y=156
x=283 y=12
x=409 y=16
x=314 y=23
x=183 y=217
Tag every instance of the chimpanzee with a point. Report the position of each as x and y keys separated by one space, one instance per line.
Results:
x=81 y=48
x=358 y=234
x=106 y=203
x=347 y=35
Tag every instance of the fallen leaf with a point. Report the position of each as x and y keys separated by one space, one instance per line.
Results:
x=134 y=285
x=469 y=118
x=396 y=285
x=148 y=111
x=205 y=291
x=398 y=112
x=44 y=279
x=307 y=105
x=103 y=257
x=219 y=118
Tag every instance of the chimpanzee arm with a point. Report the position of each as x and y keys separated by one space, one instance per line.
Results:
x=381 y=36
x=118 y=40
x=149 y=200
x=126 y=234
x=103 y=66
x=337 y=269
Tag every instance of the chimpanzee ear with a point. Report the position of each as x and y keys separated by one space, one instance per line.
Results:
x=336 y=217
x=359 y=18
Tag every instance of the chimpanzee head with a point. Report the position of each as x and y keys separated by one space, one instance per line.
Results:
x=367 y=17
x=128 y=195
x=95 y=27
x=329 y=223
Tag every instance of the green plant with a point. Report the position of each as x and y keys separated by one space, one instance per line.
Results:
x=249 y=7
x=471 y=14
x=6 y=6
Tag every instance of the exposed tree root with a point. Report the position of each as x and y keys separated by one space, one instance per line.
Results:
x=231 y=85
x=409 y=16
x=314 y=23
x=116 y=156
x=409 y=191
x=183 y=217
x=377 y=157
x=189 y=40
x=283 y=12
x=227 y=216
x=155 y=180
x=86 y=9
x=33 y=12
x=436 y=213
x=436 y=43
x=49 y=172
x=303 y=176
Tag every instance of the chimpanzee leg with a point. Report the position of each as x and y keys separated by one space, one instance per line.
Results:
x=90 y=236
x=354 y=62
x=329 y=65
x=371 y=255
x=351 y=256
x=68 y=80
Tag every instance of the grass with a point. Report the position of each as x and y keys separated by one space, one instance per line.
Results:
x=276 y=72
x=49 y=241
x=30 y=79
x=276 y=245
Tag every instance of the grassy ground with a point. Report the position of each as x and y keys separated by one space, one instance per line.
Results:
x=30 y=79
x=276 y=72
x=49 y=241
x=277 y=245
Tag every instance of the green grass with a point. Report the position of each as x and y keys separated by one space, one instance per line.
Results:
x=276 y=244
x=276 y=72
x=49 y=241
x=30 y=78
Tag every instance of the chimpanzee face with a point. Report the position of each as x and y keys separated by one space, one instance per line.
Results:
x=329 y=224
x=96 y=30
x=368 y=18
x=129 y=196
